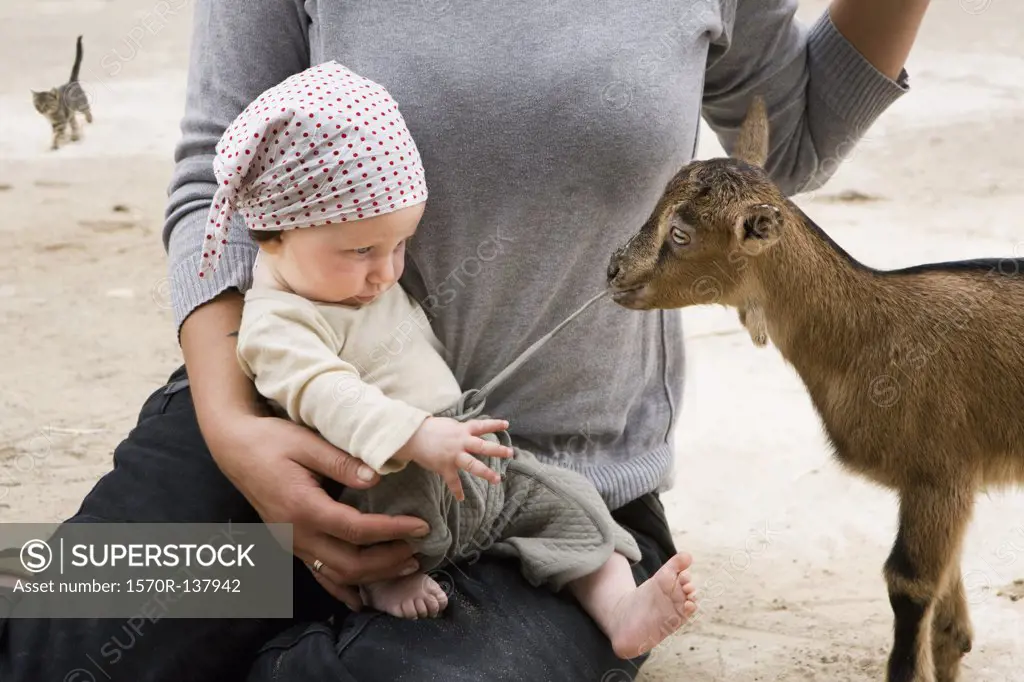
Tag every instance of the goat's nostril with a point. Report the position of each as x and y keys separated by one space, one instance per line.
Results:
x=613 y=268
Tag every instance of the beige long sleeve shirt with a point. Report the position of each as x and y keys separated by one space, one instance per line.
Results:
x=364 y=378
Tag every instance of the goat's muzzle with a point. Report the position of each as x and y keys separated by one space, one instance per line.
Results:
x=615 y=273
x=625 y=293
x=613 y=266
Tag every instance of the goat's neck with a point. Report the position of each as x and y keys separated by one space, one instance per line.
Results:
x=814 y=298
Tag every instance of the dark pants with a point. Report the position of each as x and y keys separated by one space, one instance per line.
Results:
x=496 y=626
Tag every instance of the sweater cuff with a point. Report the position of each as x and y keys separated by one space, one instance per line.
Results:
x=233 y=270
x=860 y=92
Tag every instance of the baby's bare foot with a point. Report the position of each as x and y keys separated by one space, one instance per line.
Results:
x=415 y=596
x=654 y=610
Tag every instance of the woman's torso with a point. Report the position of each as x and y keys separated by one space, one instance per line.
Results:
x=547 y=132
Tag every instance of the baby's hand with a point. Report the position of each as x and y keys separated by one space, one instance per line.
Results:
x=443 y=445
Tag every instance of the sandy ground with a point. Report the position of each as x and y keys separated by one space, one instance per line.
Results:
x=788 y=548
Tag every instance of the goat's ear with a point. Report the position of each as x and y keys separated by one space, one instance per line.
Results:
x=752 y=143
x=760 y=225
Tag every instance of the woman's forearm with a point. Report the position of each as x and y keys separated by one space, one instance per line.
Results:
x=881 y=30
x=208 y=340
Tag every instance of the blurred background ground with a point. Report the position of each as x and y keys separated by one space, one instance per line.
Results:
x=788 y=548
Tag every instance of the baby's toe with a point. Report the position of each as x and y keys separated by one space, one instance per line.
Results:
x=409 y=609
x=437 y=603
x=681 y=561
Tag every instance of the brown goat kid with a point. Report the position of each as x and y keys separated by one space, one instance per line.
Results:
x=917 y=373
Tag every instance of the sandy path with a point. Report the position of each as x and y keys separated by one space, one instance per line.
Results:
x=788 y=548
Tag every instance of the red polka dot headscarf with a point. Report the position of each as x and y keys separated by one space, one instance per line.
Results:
x=323 y=146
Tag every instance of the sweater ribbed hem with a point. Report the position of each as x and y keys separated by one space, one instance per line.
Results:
x=188 y=290
x=621 y=482
x=866 y=91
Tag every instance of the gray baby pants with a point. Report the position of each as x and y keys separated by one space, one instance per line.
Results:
x=550 y=518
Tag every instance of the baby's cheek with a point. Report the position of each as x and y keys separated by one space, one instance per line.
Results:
x=316 y=281
x=346 y=281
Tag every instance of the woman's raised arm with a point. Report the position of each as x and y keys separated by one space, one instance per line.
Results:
x=823 y=85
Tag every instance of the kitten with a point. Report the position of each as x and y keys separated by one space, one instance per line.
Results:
x=60 y=105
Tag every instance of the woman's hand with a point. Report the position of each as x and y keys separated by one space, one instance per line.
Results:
x=276 y=464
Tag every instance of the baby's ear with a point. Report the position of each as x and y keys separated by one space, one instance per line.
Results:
x=272 y=245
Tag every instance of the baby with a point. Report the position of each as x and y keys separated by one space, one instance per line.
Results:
x=330 y=184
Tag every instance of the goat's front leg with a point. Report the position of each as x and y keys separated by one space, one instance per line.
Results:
x=951 y=629
x=931 y=527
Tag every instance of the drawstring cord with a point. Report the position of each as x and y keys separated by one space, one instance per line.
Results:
x=471 y=403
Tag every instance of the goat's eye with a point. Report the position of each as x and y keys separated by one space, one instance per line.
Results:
x=680 y=236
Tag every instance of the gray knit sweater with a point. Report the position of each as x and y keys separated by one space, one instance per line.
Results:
x=547 y=131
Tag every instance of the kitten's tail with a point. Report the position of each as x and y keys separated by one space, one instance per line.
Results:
x=78 y=61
